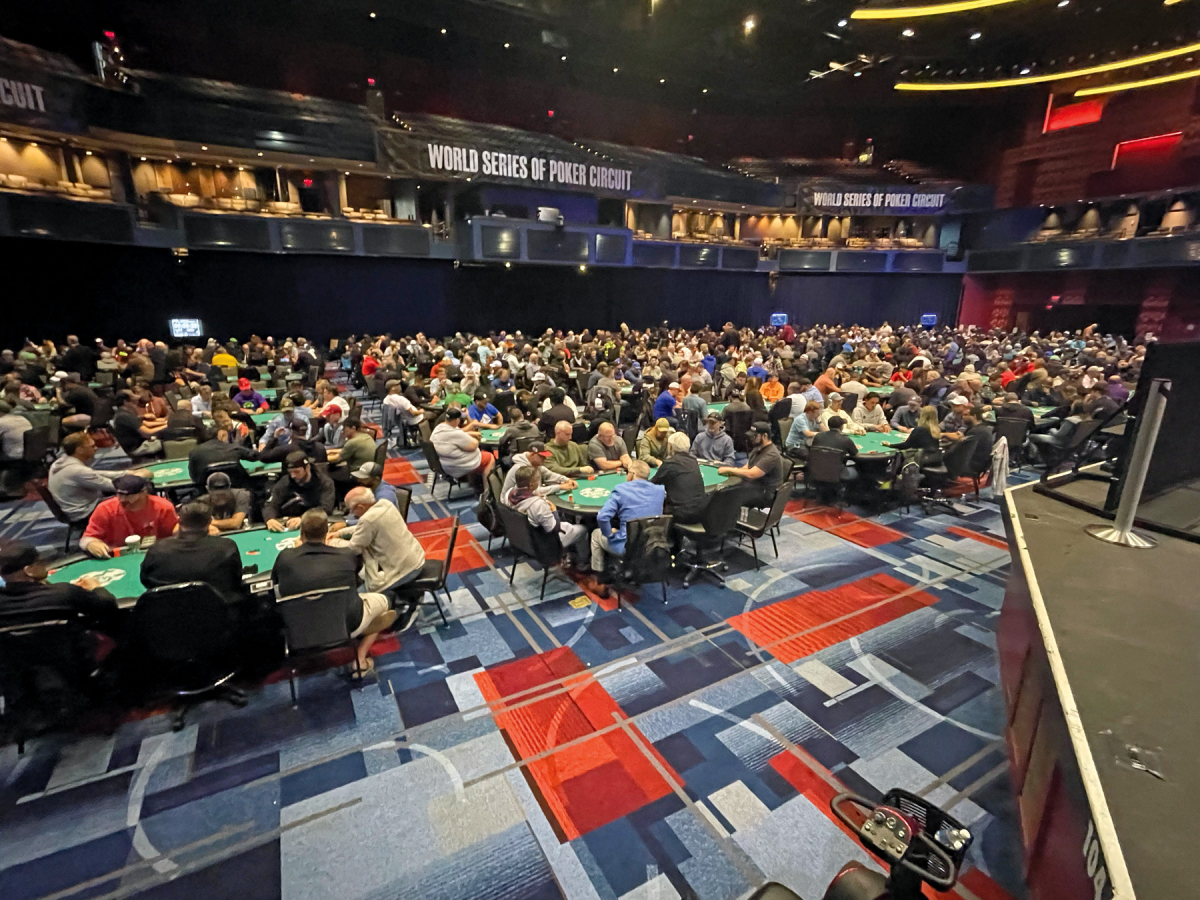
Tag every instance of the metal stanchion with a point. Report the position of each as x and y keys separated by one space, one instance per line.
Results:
x=1121 y=531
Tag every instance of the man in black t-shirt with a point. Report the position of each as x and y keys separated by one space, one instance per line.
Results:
x=835 y=440
x=135 y=437
x=765 y=470
x=680 y=475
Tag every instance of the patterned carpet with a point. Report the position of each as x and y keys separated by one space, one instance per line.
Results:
x=566 y=748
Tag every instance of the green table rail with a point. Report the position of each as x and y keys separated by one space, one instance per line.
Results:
x=589 y=496
x=174 y=472
x=121 y=575
x=872 y=443
x=463 y=400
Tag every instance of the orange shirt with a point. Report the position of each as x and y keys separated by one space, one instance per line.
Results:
x=772 y=391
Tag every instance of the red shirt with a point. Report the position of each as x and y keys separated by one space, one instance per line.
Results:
x=112 y=522
x=370 y=364
x=1007 y=376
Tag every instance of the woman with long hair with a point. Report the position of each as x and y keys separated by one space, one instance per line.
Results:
x=925 y=438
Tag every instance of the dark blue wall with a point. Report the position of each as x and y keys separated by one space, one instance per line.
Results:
x=112 y=291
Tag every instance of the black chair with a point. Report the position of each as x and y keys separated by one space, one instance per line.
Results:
x=314 y=622
x=435 y=466
x=825 y=472
x=35 y=448
x=381 y=454
x=956 y=463
x=647 y=558
x=238 y=476
x=433 y=577
x=629 y=435
x=708 y=536
x=1073 y=451
x=754 y=523
x=504 y=401
x=1016 y=431
x=43 y=490
x=737 y=426
x=186 y=638
x=849 y=401
x=403 y=500
x=526 y=540
x=689 y=422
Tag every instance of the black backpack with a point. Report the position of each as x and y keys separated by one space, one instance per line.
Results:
x=485 y=510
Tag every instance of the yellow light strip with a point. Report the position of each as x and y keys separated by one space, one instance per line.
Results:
x=1171 y=2
x=936 y=9
x=1134 y=85
x=1042 y=79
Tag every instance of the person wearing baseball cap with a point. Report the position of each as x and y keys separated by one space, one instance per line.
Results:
x=301 y=487
x=248 y=398
x=26 y=592
x=370 y=475
x=652 y=445
x=545 y=481
x=765 y=470
x=953 y=425
x=133 y=511
x=667 y=402
x=231 y=507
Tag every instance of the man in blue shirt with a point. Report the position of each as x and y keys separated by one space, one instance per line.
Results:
x=484 y=413
x=636 y=498
x=280 y=427
x=756 y=370
x=664 y=406
x=503 y=381
x=370 y=475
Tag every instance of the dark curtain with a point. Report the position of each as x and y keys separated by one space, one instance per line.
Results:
x=899 y=299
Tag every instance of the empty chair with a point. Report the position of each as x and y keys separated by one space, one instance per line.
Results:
x=708 y=536
x=432 y=579
x=754 y=523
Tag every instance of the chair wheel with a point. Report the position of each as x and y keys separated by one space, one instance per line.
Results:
x=724 y=568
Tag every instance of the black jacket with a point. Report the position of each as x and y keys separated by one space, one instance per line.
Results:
x=311 y=567
x=34 y=601
x=837 y=441
x=680 y=475
x=214 y=451
x=196 y=557
x=1015 y=411
x=291 y=499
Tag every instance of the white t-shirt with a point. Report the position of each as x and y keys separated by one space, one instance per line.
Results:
x=12 y=435
x=458 y=451
x=409 y=413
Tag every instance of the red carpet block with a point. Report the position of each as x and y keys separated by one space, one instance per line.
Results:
x=828 y=517
x=800 y=626
x=593 y=782
x=866 y=533
x=795 y=508
x=434 y=536
x=976 y=536
x=400 y=472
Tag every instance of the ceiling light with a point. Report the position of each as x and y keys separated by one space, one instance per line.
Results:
x=508 y=265
x=241 y=168
x=143 y=158
x=615 y=70
x=662 y=81
x=936 y=9
x=1025 y=71
x=443 y=31
x=1134 y=85
x=857 y=74
x=704 y=90
x=907 y=32
x=582 y=267
x=563 y=58
x=203 y=147
x=89 y=152
x=749 y=24
x=372 y=15
x=1052 y=76
x=507 y=45
x=259 y=153
x=976 y=35
x=842 y=23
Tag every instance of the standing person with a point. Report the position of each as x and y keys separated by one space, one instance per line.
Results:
x=636 y=498
x=315 y=565
x=134 y=511
x=74 y=484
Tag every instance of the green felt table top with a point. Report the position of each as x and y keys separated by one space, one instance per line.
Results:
x=873 y=442
x=174 y=472
x=589 y=496
x=121 y=575
x=464 y=400
x=491 y=436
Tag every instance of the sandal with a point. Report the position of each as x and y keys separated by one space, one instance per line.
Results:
x=359 y=673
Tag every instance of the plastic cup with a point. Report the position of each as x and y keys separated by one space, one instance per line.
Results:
x=132 y=543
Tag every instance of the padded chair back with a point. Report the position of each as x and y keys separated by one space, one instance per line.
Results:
x=431 y=457
x=689 y=422
x=849 y=401
x=504 y=401
x=403 y=500
x=647 y=558
x=179 y=449
x=238 y=476
x=957 y=459
x=381 y=454
x=316 y=619
x=825 y=465
x=629 y=435
x=779 y=504
x=1083 y=433
x=43 y=490
x=444 y=573
x=737 y=426
x=181 y=623
x=531 y=541
x=721 y=514
x=37 y=444
x=1014 y=429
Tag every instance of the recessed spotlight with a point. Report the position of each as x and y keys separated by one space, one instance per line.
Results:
x=563 y=58
x=203 y=147
x=89 y=152
x=583 y=267
x=976 y=35
x=241 y=168
x=858 y=74
x=508 y=265
x=615 y=70
x=1025 y=71
x=443 y=31
x=372 y=15
x=842 y=23
x=749 y=24
x=1062 y=3
x=704 y=90
x=507 y=45
x=662 y=81
x=143 y=158
x=907 y=32
x=259 y=153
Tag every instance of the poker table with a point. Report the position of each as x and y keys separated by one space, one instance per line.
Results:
x=718 y=406
x=589 y=496
x=262 y=418
x=174 y=472
x=121 y=575
x=268 y=393
x=464 y=400
x=491 y=436
x=872 y=443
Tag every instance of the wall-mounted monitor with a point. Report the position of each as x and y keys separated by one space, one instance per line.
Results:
x=778 y=320
x=186 y=328
x=929 y=319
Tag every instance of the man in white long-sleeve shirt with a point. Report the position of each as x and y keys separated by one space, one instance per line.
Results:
x=391 y=556
x=76 y=486
x=525 y=497
x=869 y=414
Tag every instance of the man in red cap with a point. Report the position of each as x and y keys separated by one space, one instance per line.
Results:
x=248 y=398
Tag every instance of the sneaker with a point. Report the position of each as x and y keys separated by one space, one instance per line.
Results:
x=407 y=617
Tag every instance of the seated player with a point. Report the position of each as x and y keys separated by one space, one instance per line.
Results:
x=134 y=511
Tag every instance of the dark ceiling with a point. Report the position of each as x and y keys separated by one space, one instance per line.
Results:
x=689 y=75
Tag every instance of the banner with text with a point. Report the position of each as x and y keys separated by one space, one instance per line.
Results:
x=540 y=170
x=865 y=200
